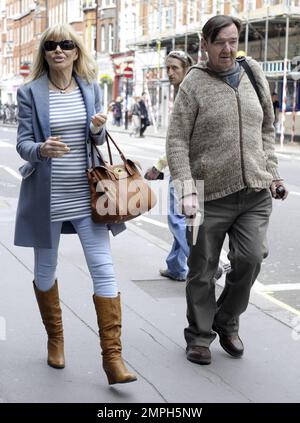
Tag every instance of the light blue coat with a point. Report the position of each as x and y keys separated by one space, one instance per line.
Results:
x=33 y=212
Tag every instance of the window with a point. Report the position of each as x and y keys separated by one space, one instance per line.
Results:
x=94 y=46
x=235 y=6
x=179 y=10
x=102 y=40
x=249 y=5
x=192 y=11
x=75 y=12
x=153 y=22
x=110 y=38
x=168 y=17
x=107 y=3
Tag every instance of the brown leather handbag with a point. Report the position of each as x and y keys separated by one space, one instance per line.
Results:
x=118 y=191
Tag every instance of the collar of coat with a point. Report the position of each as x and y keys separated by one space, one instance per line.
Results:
x=40 y=93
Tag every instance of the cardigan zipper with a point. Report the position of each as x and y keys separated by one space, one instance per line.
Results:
x=241 y=134
x=239 y=112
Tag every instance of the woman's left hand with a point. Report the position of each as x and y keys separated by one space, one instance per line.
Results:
x=99 y=119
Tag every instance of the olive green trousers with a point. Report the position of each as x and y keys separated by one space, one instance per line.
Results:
x=244 y=217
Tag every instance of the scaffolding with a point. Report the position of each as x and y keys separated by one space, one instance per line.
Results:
x=271 y=36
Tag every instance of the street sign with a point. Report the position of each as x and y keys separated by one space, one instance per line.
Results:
x=128 y=72
x=24 y=70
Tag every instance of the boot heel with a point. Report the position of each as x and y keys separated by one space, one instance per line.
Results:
x=117 y=373
x=110 y=377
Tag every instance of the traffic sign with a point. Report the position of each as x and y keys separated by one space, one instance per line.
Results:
x=24 y=70
x=128 y=72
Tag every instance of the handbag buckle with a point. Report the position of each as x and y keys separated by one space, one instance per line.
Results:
x=120 y=172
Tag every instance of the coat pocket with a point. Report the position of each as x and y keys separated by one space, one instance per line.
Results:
x=26 y=170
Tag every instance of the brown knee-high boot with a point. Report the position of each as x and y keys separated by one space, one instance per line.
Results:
x=109 y=322
x=51 y=315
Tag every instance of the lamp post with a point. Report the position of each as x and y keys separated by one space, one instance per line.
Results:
x=128 y=74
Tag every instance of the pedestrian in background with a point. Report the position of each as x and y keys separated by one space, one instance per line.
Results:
x=221 y=133
x=136 y=117
x=177 y=64
x=276 y=109
x=117 y=110
x=59 y=116
x=144 y=116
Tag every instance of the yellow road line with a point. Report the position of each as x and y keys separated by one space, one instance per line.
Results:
x=279 y=303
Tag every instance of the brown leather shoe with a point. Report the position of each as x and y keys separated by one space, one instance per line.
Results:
x=232 y=344
x=199 y=355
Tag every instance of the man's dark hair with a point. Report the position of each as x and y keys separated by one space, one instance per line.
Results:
x=214 y=25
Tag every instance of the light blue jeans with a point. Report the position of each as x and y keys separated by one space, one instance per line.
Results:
x=94 y=239
x=177 y=258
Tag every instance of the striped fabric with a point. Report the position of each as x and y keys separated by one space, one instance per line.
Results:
x=70 y=196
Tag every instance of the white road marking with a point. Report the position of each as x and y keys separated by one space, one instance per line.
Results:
x=153 y=222
x=288 y=156
x=138 y=156
x=6 y=129
x=4 y=144
x=11 y=172
x=278 y=287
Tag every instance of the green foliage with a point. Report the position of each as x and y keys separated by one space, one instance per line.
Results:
x=105 y=79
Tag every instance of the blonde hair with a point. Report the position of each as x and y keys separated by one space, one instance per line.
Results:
x=84 y=66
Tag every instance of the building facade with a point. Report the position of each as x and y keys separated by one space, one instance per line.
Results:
x=138 y=34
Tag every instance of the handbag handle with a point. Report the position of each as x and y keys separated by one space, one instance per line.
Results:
x=108 y=138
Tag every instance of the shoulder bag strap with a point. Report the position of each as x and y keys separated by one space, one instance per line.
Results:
x=94 y=150
x=250 y=75
x=109 y=138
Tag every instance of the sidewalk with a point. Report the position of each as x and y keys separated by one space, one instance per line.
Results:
x=153 y=322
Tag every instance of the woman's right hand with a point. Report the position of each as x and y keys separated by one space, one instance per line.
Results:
x=52 y=147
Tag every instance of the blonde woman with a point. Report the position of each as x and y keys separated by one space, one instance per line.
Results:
x=59 y=116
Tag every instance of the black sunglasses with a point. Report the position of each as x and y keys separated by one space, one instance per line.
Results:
x=64 y=45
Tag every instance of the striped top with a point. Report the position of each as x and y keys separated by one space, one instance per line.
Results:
x=70 y=196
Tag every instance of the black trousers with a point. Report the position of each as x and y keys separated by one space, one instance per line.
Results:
x=144 y=124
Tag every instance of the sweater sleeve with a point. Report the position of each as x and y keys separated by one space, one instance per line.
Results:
x=180 y=129
x=268 y=130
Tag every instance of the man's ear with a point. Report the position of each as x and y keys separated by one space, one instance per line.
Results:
x=203 y=44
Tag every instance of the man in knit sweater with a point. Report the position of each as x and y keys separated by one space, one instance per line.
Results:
x=222 y=133
x=177 y=64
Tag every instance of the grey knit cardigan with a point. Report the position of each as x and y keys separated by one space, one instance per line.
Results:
x=222 y=135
